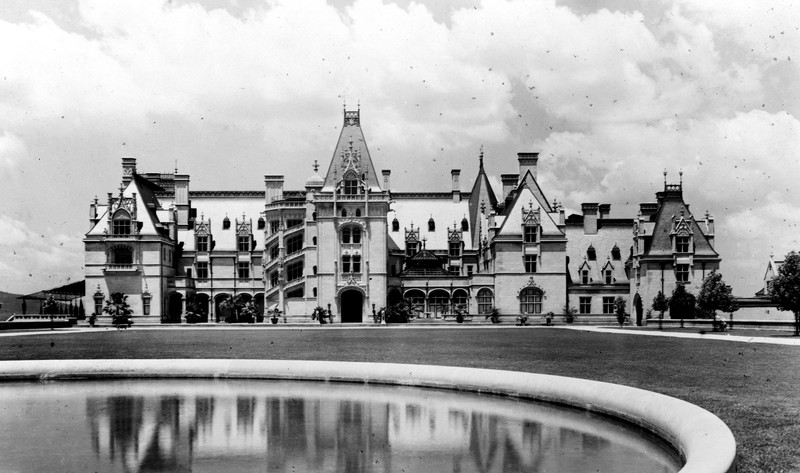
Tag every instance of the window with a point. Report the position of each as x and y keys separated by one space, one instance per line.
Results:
x=121 y=224
x=411 y=248
x=314 y=291
x=274 y=226
x=439 y=302
x=470 y=270
x=346 y=235
x=431 y=225
x=531 y=233
x=351 y=183
x=530 y=263
x=294 y=244
x=356 y=235
x=585 y=305
x=274 y=251
x=395 y=225
x=357 y=263
x=243 y=269
x=485 y=301
x=460 y=301
x=294 y=222
x=314 y=269
x=273 y=279
x=455 y=249
x=243 y=243
x=464 y=225
x=682 y=244
x=358 y=212
x=344 y=212
x=122 y=255
x=314 y=241
x=417 y=299
x=226 y=223
x=591 y=254
x=146 y=305
x=294 y=271
x=346 y=263
x=615 y=254
x=608 y=305
x=682 y=272
x=454 y=270
x=585 y=276
x=530 y=301
x=261 y=223
x=202 y=270
x=295 y=293
x=202 y=243
x=609 y=276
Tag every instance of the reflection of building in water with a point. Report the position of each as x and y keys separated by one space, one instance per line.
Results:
x=350 y=430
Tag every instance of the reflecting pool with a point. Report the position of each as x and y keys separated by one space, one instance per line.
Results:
x=280 y=426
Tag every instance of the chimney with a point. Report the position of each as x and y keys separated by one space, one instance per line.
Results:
x=128 y=170
x=182 y=200
x=274 y=188
x=93 y=213
x=589 y=218
x=454 y=176
x=509 y=183
x=604 y=210
x=710 y=229
x=648 y=208
x=386 y=173
x=527 y=162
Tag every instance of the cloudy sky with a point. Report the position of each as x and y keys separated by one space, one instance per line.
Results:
x=610 y=92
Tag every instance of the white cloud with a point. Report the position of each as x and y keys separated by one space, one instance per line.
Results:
x=13 y=150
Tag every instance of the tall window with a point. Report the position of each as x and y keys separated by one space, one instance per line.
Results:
x=682 y=244
x=608 y=305
x=464 y=225
x=682 y=272
x=531 y=233
x=294 y=271
x=346 y=263
x=460 y=301
x=356 y=235
x=261 y=223
x=294 y=244
x=202 y=270
x=122 y=255
x=431 y=225
x=485 y=301
x=357 y=263
x=346 y=235
x=530 y=263
x=274 y=251
x=243 y=243
x=455 y=249
x=417 y=299
x=243 y=269
x=121 y=224
x=411 y=248
x=615 y=253
x=202 y=243
x=609 y=276
x=273 y=279
x=439 y=302
x=274 y=226
x=395 y=225
x=584 y=276
x=351 y=183
x=530 y=301
x=585 y=305
x=591 y=254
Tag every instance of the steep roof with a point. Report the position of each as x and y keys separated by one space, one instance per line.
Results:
x=671 y=205
x=481 y=193
x=419 y=209
x=526 y=199
x=146 y=208
x=351 y=152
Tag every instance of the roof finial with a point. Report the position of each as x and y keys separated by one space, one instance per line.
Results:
x=315 y=166
x=359 y=105
x=665 y=179
x=481 y=156
x=176 y=166
x=681 y=177
x=344 y=101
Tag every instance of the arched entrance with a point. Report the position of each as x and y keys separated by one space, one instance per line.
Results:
x=352 y=304
x=637 y=306
x=174 y=308
x=202 y=301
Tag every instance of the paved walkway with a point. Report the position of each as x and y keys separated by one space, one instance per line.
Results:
x=788 y=340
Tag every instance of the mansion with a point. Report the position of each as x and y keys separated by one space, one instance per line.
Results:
x=351 y=243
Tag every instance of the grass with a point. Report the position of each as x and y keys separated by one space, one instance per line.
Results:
x=754 y=388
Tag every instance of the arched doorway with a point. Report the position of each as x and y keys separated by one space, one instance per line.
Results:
x=637 y=306
x=174 y=308
x=352 y=304
x=202 y=301
x=219 y=313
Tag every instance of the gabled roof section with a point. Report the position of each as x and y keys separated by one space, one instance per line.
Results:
x=672 y=207
x=481 y=195
x=530 y=182
x=351 y=152
x=146 y=205
x=523 y=204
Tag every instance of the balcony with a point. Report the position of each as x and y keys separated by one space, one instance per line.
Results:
x=121 y=268
x=352 y=247
x=350 y=278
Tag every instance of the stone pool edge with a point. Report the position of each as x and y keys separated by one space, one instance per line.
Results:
x=704 y=442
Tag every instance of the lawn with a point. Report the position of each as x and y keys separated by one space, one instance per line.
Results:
x=754 y=388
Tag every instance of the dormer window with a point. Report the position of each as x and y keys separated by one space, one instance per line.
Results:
x=350 y=182
x=411 y=248
x=615 y=253
x=431 y=225
x=584 y=276
x=682 y=244
x=226 y=223
x=358 y=212
x=202 y=243
x=243 y=243
x=344 y=212
x=464 y=225
x=261 y=223
x=609 y=276
x=531 y=233
x=121 y=223
x=395 y=225
x=455 y=249
x=591 y=254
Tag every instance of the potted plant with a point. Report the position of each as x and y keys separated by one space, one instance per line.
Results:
x=522 y=319
x=619 y=310
x=92 y=319
x=548 y=318
x=274 y=315
x=494 y=315
x=460 y=312
x=570 y=314
x=318 y=314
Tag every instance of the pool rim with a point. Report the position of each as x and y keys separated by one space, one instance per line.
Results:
x=701 y=439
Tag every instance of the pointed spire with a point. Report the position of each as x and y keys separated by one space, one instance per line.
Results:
x=481 y=159
x=315 y=166
x=665 y=179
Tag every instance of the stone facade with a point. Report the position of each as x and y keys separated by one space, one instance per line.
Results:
x=349 y=243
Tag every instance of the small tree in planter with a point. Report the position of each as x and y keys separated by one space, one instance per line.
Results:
x=92 y=319
x=548 y=318
x=195 y=312
x=493 y=315
x=460 y=313
x=660 y=304
x=570 y=314
x=619 y=309
x=247 y=312
x=119 y=310
x=401 y=312
x=275 y=315
x=318 y=314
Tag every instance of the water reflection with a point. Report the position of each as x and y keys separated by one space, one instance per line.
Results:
x=198 y=426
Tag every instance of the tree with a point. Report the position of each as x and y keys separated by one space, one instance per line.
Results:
x=619 y=309
x=660 y=304
x=786 y=288
x=681 y=304
x=715 y=295
x=51 y=308
x=119 y=310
